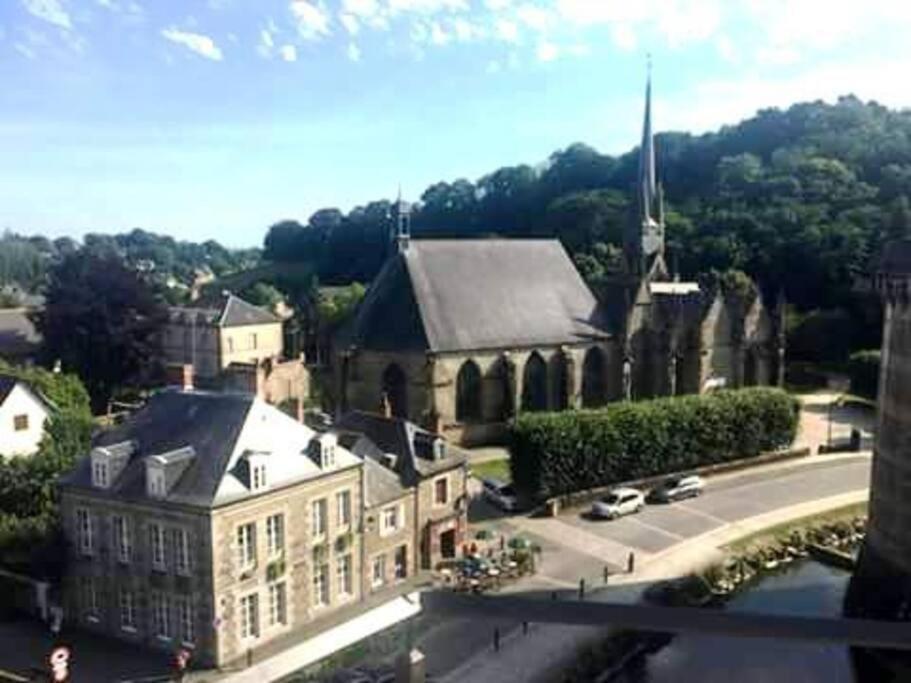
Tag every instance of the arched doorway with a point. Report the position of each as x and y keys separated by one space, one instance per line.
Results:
x=468 y=392
x=534 y=384
x=594 y=385
x=395 y=389
x=560 y=379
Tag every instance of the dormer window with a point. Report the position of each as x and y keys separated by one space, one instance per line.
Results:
x=107 y=462
x=100 y=474
x=439 y=449
x=258 y=464
x=157 y=484
x=324 y=451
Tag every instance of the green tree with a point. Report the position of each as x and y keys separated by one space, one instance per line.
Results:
x=100 y=321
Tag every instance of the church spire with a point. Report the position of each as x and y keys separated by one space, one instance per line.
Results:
x=647 y=182
x=651 y=209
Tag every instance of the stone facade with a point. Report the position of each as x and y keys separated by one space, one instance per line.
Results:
x=389 y=553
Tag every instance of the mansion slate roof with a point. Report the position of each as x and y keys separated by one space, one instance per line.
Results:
x=228 y=311
x=471 y=294
x=209 y=434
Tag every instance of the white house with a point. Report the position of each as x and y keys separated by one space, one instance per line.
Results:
x=23 y=413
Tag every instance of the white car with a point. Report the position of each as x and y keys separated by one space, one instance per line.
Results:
x=678 y=488
x=500 y=494
x=617 y=503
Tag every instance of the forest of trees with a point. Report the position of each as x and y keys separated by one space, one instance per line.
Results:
x=800 y=199
x=173 y=264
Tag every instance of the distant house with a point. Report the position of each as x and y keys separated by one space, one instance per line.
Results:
x=23 y=413
x=19 y=340
x=211 y=338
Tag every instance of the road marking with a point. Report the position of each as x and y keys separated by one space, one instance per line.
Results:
x=655 y=528
x=700 y=513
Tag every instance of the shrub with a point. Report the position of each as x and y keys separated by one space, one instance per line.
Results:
x=558 y=453
x=863 y=368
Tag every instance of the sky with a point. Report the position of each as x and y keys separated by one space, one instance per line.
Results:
x=216 y=118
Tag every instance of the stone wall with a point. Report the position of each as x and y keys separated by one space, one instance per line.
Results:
x=297 y=561
x=110 y=576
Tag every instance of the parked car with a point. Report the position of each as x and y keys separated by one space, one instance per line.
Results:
x=678 y=488
x=500 y=494
x=617 y=503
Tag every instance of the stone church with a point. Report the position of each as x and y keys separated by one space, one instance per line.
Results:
x=462 y=335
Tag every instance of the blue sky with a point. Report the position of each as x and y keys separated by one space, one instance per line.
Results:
x=216 y=118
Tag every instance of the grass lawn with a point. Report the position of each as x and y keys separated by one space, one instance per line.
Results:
x=492 y=469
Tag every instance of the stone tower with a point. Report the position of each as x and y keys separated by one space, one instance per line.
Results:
x=881 y=585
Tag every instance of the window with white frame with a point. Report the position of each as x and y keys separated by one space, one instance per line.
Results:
x=378 y=571
x=181 y=551
x=156 y=546
x=278 y=604
x=345 y=577
x=343 y=504
x=275 y=533
x=84 y=531
x=249 y=616
x=441 y=491
x=390 y=519
x=90 y=607
x=122 y=541
x=321 y=584
x=246 y=546
x=185 y=619
x=99 y=473
x=155 y=479
x=127 y=610
x=258 y=479
x=318 y=518
x=161 y=615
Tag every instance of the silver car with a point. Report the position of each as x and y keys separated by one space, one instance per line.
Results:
x=622 y=501
x=678 y=488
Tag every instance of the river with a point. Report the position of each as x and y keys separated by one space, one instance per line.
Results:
x=808 y=588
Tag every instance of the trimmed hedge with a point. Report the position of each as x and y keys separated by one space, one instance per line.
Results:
x=557 y=453
x=863 y=368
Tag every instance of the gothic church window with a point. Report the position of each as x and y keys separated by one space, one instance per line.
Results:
x=468 y=392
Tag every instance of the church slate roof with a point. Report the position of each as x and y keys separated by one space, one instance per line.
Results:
x=472 y=294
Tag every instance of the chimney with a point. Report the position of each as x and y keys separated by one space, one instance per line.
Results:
x=385 y=406
x=180 y=375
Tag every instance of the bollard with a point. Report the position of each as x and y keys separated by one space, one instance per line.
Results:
x=496 y=639
x=524 y=628
x=631 y=563
x=606 y=574
x=581 y=589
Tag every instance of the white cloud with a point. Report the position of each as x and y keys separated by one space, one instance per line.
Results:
x=51 y=11
x=361 y=8
x=465 y=31
x=547 y=51
x=349 y=21
x=777 y=56
x=288 y=53
x=437 y=35
x=312 y=19
x=354 y=52
x=24 y=50
x=428 y=6
x=497 y=5
x=266 y=43
x=199 y=43
x=726 y=50
x=507 y=31
x=624 y=37
x=535 y=17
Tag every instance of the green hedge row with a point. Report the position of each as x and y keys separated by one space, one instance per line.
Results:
x=558 y=453
x=863 y=369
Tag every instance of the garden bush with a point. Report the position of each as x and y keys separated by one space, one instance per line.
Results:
x=558 y=453
x=863 y=369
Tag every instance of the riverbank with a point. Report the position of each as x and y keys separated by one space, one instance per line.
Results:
x=746 y=562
